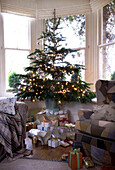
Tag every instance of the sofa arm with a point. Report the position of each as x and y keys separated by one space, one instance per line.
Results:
x=22 y=109
x=84 y=114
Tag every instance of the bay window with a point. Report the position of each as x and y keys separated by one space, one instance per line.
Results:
x=107 y=41
x=73 y=30
x=16 y=44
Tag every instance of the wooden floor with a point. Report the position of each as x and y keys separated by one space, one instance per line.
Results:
x=47 y=152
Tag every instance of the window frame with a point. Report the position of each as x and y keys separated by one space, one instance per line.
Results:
x=100 y=37
x=77 y=48
x=6 y=92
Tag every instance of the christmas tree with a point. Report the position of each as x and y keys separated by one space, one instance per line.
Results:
x=46 y=75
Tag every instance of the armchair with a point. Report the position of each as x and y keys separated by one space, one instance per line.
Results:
x=96 y=128
x=12 y=130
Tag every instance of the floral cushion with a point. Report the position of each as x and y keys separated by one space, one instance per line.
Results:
x=7 y=105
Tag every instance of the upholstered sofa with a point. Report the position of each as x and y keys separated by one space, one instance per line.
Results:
x=96 y=128
x=12 y=127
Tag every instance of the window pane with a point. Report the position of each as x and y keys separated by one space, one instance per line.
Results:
x=74 y=32
x=109 y=22
x=72 y=28
x=107 y=62
x=77 y=58
x=16 y=31
x=15 y=62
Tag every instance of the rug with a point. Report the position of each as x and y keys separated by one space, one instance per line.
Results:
x=37 y=164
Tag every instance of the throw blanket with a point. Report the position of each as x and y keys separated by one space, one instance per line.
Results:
x=11 y=132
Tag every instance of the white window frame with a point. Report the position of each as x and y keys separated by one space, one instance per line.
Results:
x=3 y=81
x=100 y=35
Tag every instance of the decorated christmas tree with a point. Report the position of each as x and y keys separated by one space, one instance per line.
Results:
x=46 y=76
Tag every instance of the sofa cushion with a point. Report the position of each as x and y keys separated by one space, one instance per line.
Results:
x=7 y=105
x=105 y=91
x=84 y=114
x=104 y=112
x=98 y=128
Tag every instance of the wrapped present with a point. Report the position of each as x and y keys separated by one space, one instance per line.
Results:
x=53 y=117
x=41 y=127
x=41 y=117
x=61 y=112
x=62 y=129
x=46 y=123
x=54 y=122
x=64 y=144
x=70 y=135
x=30 y=125
x=75 y=159
x=54 y=142
x=34 y=139
x=70 y=126
x=51 y=128
x=88 y=162
x=63 y=119
x=33 y=132
x=70 y=142
x=64 y=156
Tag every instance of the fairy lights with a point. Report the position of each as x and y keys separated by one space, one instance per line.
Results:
x=48 y=73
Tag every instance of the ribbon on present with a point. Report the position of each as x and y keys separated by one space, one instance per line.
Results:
x=54 y=122
x=68 y=141
x=63 y=120
x=75 y=151
x=46 y=121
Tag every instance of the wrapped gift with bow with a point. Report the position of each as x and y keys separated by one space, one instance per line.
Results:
x=75 y=159
x=30 y=125
x=54 y=142
x=54 y=122
x=46 y=123
x=63 y=119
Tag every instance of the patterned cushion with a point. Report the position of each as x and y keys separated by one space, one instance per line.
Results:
x=105 y=91
x=7 y=105
x=97 y=128
x=104 y=112
x=84 y=114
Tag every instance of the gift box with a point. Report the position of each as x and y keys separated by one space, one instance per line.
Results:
x=64 y=156
x=33 y=132
x=75 y=159
x=34 y=139
x=62 y=129
x=40 y=127
x=63 y=119
x=54 y=142
x=30 y=125
x=46 y=123
x=88 y=162
x=54 y=122
x=70 y=135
